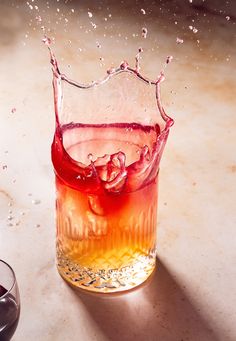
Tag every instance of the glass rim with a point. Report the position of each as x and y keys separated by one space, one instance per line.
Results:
x=14 y=278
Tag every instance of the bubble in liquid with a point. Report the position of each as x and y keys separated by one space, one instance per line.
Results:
x=144 y=32
x=143 y=11
x=90 y=156
x=179 y=40
x=13 y=110
x=4 y=167
x=90 y=14
x=98 y=45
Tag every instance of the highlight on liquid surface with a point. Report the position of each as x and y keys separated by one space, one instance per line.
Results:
x=106 y=180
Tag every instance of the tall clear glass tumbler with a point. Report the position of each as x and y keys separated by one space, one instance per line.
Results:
x=108 y=142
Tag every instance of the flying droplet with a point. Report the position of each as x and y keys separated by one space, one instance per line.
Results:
x=38 y=18
x=144 y=32
x=90 y=14
x=227 y=17
x=195 y=30
x=13 y=110
x=98 y=45
x=46 y=40
x=94 y=25
x=4 y=167
x=124 y=65
x=143 y=11
x=111 y=70
x=169 y=59
x=179 y=40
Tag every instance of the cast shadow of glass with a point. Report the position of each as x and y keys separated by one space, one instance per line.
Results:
x=158 y=310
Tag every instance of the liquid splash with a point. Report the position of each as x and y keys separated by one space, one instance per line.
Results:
x=111 y=172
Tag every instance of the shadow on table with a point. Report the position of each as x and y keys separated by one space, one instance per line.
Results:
x=158 y=311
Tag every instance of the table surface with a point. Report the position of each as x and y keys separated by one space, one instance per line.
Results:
x=192 y=294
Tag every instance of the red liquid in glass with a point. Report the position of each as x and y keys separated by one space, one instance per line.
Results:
x=106 y=180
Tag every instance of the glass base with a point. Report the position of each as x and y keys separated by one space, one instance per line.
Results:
x=106 y=280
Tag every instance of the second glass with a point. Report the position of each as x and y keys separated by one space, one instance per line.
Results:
x=9 y=302
x=107 y=146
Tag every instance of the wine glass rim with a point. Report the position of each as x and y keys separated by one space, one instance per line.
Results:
x=14 y=278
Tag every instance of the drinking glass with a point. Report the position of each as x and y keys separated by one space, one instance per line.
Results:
x=9 y=302
x=108 y=142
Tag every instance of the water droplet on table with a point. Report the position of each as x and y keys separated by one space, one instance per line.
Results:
x=36 y=201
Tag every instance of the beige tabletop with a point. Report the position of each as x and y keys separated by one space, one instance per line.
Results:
x=192 y=295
